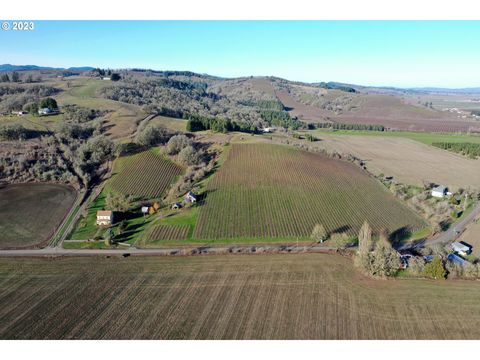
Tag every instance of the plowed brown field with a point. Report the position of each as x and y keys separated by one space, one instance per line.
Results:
x=304 y=296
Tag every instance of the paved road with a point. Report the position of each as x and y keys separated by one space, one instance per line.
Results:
x=201 y=250
x=232 y=249
x=449 y=235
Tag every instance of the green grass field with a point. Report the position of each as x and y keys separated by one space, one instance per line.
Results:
x=423 y=137
x=170 y=123
x=301 y=296
x=30 y=213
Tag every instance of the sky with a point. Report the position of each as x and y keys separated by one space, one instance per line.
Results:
x=381 y=53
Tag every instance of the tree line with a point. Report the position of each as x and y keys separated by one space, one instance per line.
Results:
x=471 y=150
x=340 y=126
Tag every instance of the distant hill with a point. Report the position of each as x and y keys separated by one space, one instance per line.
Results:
x=474 y=90
x=10 y=67
x=328 y=85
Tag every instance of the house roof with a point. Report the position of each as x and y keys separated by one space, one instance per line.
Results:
x=440 y=188
x=457 y=259
x=190 y=194
x=104 y=213
x=457 y=246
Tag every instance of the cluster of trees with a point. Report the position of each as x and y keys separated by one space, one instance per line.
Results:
x=78 y=114
x=106 y=73
x=200 y=123
x=340 y=126
x=270 y=104
x=67 y=131
x=181 y=95
x=35 y=162
x=186 y=151
x=16 y=97
x=84 y=155
x=13 y=132
x=471 y=150
x=335 y=86
x=15 y=77
x=281 y=119
x=118 y=202
x=177 y=143
x=164 y=111
x=151 y=135
x=376 y=258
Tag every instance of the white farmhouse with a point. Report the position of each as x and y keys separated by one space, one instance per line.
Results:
x=439 y=191
x=190 y=197
x=104 y=217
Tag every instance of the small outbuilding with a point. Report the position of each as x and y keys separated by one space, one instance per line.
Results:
x=144 y=210
x=45 y=111
x=439 y=191
x=455 y=259
x=461 y=248
x=176 y=206
x=104 y=217
x=190 y=197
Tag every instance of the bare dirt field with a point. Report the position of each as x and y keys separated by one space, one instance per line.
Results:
x=29 y=213
x=408 y=161
x=303 y=296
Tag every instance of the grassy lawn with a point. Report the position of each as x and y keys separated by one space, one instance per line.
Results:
x=84 y=245
x=423 y=137
x=86 y=227
x=170 y=123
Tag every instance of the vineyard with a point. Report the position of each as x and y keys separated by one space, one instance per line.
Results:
x=145 y=174
x=168 y=232
x=277 y=191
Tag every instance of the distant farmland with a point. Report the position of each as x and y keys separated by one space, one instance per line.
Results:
x=302 y=296
x=277 y=191
x=145 y=174
x=390 y=111
x=29 y=213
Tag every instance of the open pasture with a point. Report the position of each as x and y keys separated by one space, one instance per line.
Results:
x=277 y=191
x=29 y=213
x=302 y=296
x=146 y=174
